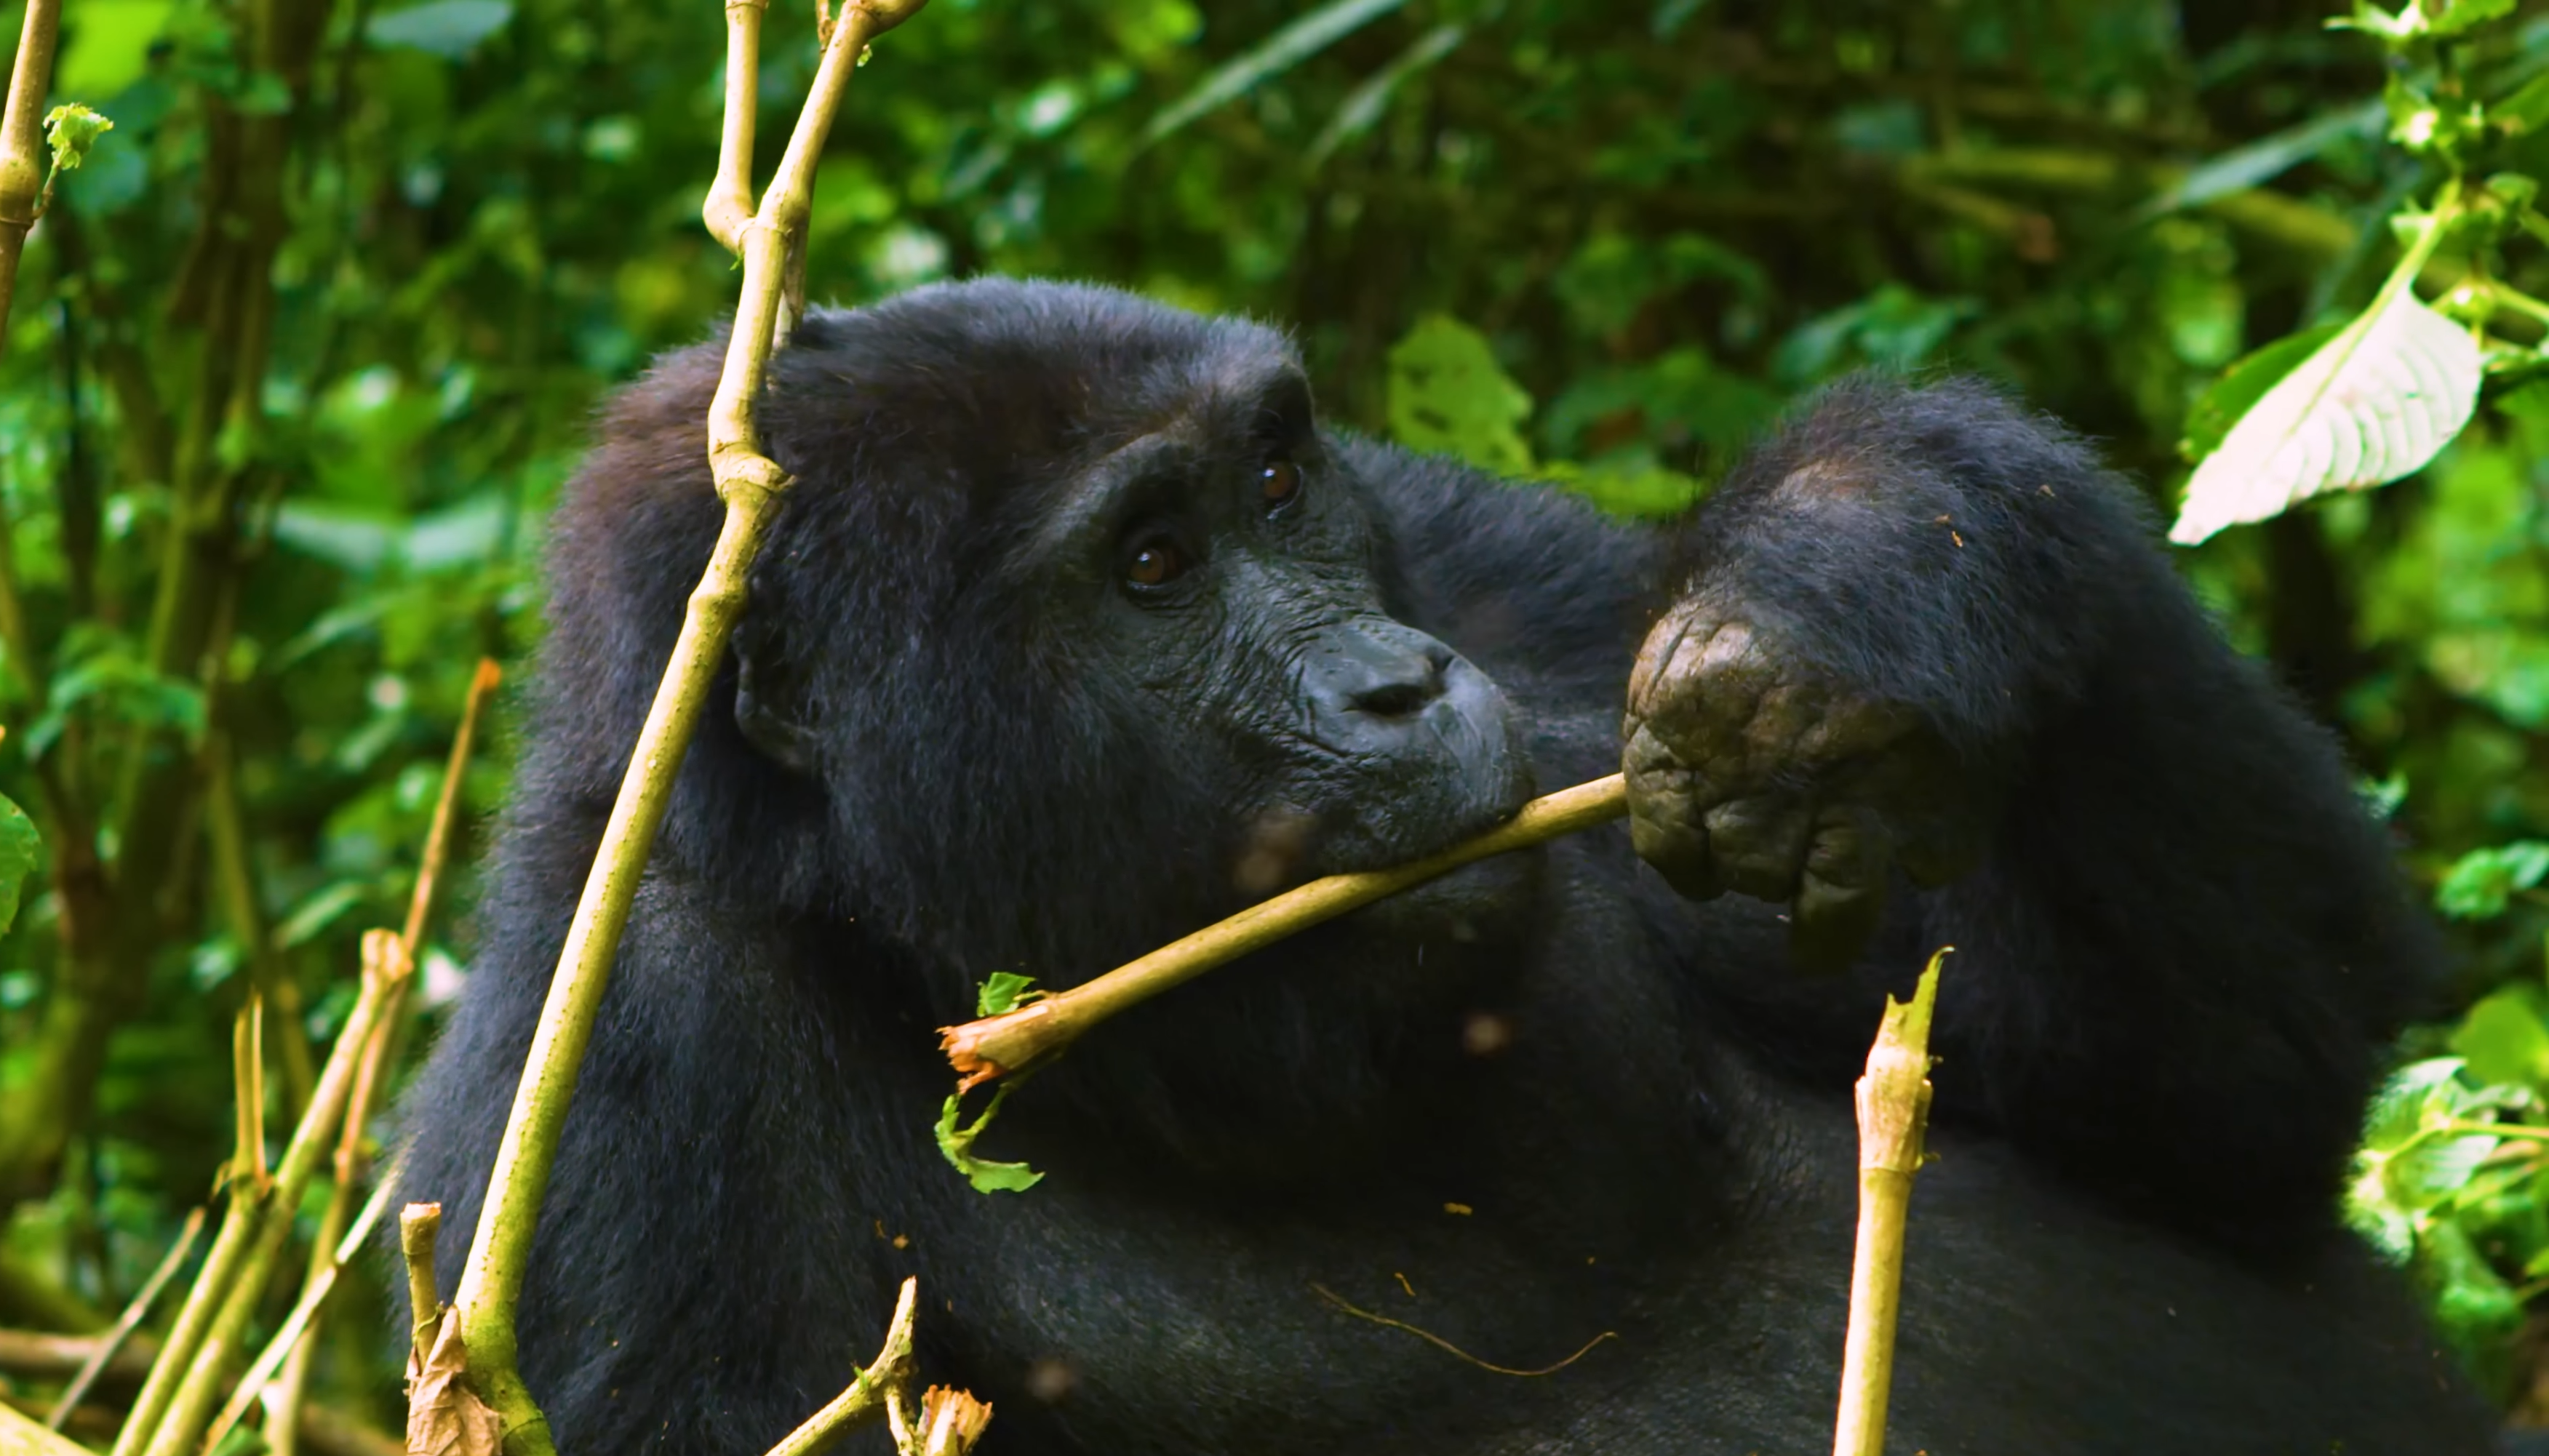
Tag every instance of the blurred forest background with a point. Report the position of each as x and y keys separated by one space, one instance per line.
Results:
x=301 y=352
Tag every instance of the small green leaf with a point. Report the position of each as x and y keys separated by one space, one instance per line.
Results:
x=957 y=1145
x=2427 y=1175
x=2481 y=883
x=1003 y=992
x=2504 y=1040
x=70 y=130
x=2397 y=1110
x=2374 y=402
x=20 y=846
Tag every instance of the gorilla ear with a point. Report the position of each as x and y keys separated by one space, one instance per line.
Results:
x=768 y=706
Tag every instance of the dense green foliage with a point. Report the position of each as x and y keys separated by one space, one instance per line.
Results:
x=307 y=344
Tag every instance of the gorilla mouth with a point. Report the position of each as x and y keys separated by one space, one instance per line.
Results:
x=1287 y=846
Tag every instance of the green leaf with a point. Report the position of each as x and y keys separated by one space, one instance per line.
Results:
x=2374 y=402
x=1365 y=104
x=1275 y=54
x=2481 y=883
x=20 y=848
x=1448 y=395
x=2428 y=1174
x=2471 y=1301
x=2262 y=160
x=70 y=130
x=1003 y=992
x=108 y=683
x=2504 y=1040
x=2524 y=110
x=318 y=912
x=2399 y=1109
x=957 y=1145
x=109 y=44
x=450 y=29
x=2457 y=17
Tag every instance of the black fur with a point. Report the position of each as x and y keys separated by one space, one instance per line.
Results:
x=2176 y=965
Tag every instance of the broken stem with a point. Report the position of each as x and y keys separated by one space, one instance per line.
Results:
x=1014 y=1041
x=1893 y=1116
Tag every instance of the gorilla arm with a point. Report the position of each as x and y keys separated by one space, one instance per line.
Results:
x=1927 y=645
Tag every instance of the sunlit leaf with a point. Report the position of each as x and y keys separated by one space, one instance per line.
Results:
x=2482 y=883
x=108 y=45
x=2503 y=1039
x=2371 y=404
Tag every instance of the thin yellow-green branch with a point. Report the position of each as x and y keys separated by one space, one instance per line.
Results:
x=865 y=1399
x=134 y=1313
x=177 y=1430
x=1016 y=1040
x=749 y=484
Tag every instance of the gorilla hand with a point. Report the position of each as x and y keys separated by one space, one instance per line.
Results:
x=1751 y=769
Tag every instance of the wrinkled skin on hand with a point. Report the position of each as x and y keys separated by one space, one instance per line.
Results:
x=1752 y=770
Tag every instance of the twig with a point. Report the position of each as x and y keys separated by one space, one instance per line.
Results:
x=750 y=484
x=379 y=1054
x=288 y=1339
x=188 y=1374
x=865 y=1399
x=22 y=142
x=1439 y=1342
x=1016 y=1040
x=130 y=1320
x=1893 y=1115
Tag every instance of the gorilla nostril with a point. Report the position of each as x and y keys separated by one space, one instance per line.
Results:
x=1399 y=699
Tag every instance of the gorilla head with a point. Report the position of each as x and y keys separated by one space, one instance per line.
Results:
x=1128 y=665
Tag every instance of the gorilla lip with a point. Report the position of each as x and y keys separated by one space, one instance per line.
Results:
x=1014 y=1041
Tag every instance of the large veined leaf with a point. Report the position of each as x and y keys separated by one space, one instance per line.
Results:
x=2373 y=404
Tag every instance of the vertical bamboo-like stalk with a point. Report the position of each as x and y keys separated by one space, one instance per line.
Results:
x=750 y=484
x=22 y=142
x=1893 y=1116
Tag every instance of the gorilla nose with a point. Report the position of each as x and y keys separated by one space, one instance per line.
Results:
x=1387 y=672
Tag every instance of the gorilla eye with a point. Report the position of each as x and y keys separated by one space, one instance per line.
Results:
x=1156 y=562
x=1279 y=481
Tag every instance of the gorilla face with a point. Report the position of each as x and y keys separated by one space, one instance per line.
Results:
x=1128 y=559
x=1222 y=566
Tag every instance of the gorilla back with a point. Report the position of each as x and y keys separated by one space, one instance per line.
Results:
x=1078 y=631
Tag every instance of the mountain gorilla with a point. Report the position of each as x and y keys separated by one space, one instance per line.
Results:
x=1078 y=631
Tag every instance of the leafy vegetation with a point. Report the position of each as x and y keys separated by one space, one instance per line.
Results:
x=304 y=345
